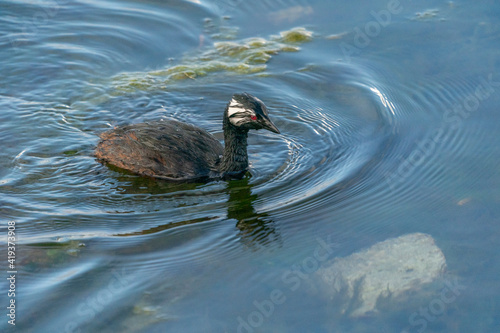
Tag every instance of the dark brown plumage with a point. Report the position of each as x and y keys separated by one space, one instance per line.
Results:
x=174 y=150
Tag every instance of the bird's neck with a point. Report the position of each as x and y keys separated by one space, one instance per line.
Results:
x=235 y=158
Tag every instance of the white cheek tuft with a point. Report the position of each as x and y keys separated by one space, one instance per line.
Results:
x=237 y=113
x=234 y=121
x=233 y=110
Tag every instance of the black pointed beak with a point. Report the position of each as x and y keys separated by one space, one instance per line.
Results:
x=268 y=125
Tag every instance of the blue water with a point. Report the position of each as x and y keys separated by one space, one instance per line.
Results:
x=389 y=125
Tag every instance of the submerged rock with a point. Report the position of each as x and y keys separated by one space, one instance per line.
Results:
x=388 y=268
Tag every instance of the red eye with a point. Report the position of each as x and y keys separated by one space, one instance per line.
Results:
x=253 y=117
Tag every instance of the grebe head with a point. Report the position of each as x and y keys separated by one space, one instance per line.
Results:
x=247 y=112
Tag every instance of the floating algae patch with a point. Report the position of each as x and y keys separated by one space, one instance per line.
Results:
x=240 y=57
x=297 y=35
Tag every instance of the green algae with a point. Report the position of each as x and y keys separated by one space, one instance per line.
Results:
x=230 y=56
x=297 y=35
x=71 y=152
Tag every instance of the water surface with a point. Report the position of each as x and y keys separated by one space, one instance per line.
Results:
x=388 y=121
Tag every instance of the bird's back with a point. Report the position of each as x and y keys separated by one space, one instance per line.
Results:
x=166 y=149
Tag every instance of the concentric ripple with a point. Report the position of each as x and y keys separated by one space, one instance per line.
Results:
x=327 y=139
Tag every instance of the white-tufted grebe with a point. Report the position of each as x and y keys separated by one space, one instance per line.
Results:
x=177 y=151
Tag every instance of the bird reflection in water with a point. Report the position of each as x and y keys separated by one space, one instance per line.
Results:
x=256 y=229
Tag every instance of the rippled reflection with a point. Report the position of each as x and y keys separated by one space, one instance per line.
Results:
x=256 y=229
